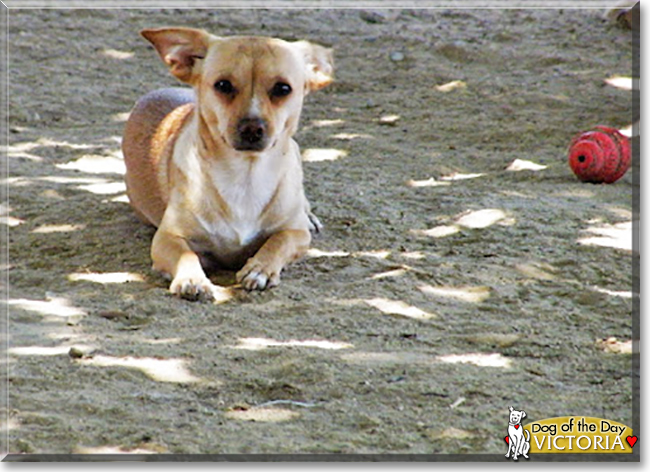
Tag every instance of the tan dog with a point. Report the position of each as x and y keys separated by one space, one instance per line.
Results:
x=216 y=168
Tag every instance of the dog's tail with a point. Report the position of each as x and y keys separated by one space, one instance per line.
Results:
x=527 y=432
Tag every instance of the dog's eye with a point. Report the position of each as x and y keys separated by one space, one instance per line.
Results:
x=281 y=90
x=225 y=86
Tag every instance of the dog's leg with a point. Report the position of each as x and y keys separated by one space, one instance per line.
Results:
x=263 y=269
x=526 y=446
x=172 y=255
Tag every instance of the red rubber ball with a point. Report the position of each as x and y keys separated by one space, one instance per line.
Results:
x=601 y=155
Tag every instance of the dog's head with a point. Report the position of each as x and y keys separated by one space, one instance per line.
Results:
x=516 y=416
x=250 y=90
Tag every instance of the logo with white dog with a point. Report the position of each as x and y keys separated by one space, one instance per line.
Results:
x=518 y=441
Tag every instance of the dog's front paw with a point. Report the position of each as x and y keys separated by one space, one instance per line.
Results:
x=255 y=276
x=193 y=288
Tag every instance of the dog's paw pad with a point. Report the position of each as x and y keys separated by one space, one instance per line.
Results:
x=193 y=290
x=257 y=279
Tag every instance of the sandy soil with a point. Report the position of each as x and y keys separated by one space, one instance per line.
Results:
x=444 y=289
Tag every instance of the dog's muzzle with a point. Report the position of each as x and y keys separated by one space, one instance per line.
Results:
x=251 y=135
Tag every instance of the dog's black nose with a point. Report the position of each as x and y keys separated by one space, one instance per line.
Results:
x=251 y=133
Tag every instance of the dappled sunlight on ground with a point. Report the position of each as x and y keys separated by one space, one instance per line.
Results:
x=459 y=176
x=6 y=219
x=389 y=119
x=520 y=164
x=623 y=213
x=628 y=131
x=10 y=221
x=104 y=188
x=115 y=54
x=378 y=254
x=382 y=254
x=162 y=341
x=319 y=155
x=120 y=199
x=257 y=344
x=53 y=306
x=390 y=273
x=64 y=336
x=621 y=294
x=95 y=164
x=625 y=83
x=430 y=182
x=160 y=370
x=396 y=307
x=121 y=117
x=617 y=236
x=478 y=359
x=314 y=253
x=222 y=294
x=324 y=123
x=113 y=450
x=438 y=231
x=106 y=278
x=463 y=294
x=48 y=229
x=46 y=351
x=613 y=345
x=405 y=357
x=24 y=181
x=479 y=219
x=537 y=270
x=351 y=136
x=262 y=414
x=414 y=255
x=450 y=86
x=21 y=151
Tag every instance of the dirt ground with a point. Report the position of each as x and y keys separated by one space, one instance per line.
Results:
x=444 y=289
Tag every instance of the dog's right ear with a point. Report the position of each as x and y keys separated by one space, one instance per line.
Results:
x=511 y=408
x=180 y=49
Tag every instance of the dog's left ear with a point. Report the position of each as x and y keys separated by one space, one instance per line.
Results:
x=319 y=63
x=523 y=414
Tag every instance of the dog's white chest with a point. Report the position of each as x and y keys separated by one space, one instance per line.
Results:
x=228 y=198
x=245 y=194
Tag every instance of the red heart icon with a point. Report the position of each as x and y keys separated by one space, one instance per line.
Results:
x=507 y=439
x=631 y=440
x=517 y=426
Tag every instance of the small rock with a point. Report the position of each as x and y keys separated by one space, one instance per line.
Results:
x=113 y=315
x=371 y=17
x=75 y=353
x=74 y=320
x=396 y=56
